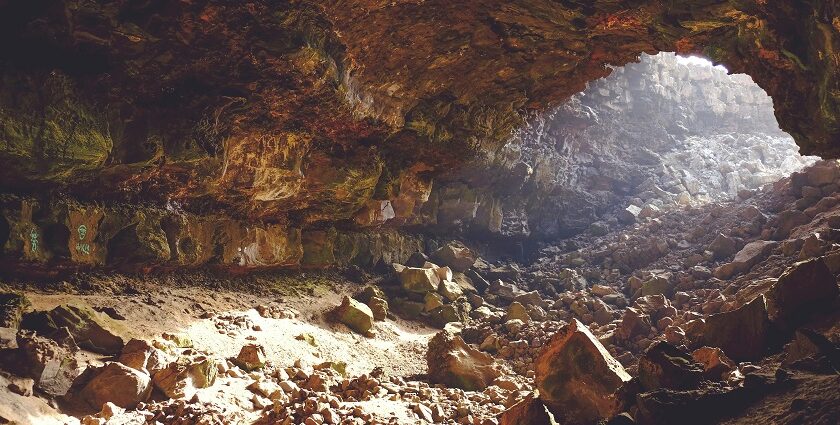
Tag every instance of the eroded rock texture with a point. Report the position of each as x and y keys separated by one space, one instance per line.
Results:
x=281 y=125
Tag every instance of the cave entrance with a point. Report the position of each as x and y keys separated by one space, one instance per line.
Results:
x=665 y=132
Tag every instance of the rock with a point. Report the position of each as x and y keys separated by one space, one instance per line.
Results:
x=355 y=315
x=745 y=259
x=715 y=363
x=723 y=247
x=532 y=298
x=181 y=340
x=142 y=355
x=419 y=280
x=409 y=309
x=417 y=259
x=8 y=338
x=432 y=301
x=809 y=344
x=741 y=333
x=379 y=308
x=445 y=314
x=819 y=175
x=577 y=378
x=633 y=322
x=705 y=405
x=118 y=384
x=802 y=290
x=456 y=256
x=53 y=367
x=21 y=386
x=630 y=214
x=83 y=324
x=251 y=357
x=450 y=290
x=505 y=291
x=602 y=290
x=666 y=366
x=444 y=273
x=517 y=311
x=788 y=220
x=529 y=410
x=369 y=292
x=450 y=361
x=649 y=211
x=12 y=306
x=181 y=378
x=656 y=285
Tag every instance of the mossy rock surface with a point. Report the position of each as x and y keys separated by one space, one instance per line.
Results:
x=12 y=306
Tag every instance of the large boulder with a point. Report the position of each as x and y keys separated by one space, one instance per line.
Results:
x=118 y=384
x=420 y=280
x=577 y=378
x=89 y=329
x=450 y=361
x=723 y=246
x=355 y=315
x=666 y=366
x=741 y=333
x=52 y=366
x=806 y=288
x=455 y=255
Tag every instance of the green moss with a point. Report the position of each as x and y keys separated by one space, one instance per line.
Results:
x=47 y=131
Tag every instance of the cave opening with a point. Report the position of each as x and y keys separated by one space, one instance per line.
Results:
x=666 y=132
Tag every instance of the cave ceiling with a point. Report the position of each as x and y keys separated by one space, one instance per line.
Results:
x=304 y=111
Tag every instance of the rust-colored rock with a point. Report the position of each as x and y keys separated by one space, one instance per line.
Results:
x=452 y=362
x=528 y=411
x=741 y=333
x=577 y=378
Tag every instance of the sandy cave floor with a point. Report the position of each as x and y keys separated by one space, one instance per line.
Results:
x=153 y=306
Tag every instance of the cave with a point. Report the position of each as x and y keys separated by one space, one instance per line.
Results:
x=411 y=212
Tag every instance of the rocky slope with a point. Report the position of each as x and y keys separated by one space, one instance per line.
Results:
x=716 y=314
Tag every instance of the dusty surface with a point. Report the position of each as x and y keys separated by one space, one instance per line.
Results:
x=398 y=347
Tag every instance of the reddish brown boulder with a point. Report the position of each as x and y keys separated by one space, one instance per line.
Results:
x=452 y=362
x=806 y=288
x=577 y=378
x=741 y=333
x=529 y=411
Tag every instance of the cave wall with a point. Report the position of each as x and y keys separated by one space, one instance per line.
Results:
x=309 y=116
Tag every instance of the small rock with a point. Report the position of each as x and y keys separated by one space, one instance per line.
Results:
x=355 y=315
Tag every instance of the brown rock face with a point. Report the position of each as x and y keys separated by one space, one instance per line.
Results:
x=577 y=378
x=455 y=364
x=806 y=288
x=528 y=411
x=742 y=333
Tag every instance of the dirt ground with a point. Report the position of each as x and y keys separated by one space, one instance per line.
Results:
x=220 y=320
